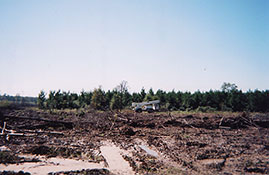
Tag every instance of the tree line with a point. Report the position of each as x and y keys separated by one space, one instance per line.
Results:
x=228 y=98
x=17 y=100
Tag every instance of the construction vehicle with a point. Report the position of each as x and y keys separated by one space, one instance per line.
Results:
x=148 y=106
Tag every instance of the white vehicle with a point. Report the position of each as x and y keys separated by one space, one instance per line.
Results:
x=149 y=106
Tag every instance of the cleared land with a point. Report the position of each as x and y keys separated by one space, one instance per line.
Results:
x=131 y=143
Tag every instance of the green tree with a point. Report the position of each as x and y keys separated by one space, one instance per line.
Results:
x=98 y=99
x=81 y=99
x=58 y=98
x=41 y=99
x=150 y=96
x=172 y=102
x=115 y=102
x=258 y=101
x=127 y=99
x=237 y=100
x=121 y=96
x=228 y=87
x=65 y=100
x=161 y=95
x=109 y=96
x=186 y=96
x=136 y=97
x=196 y=99
x=51 y=102
x=143 y=93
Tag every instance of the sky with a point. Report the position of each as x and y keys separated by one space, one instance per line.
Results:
x=185 y=45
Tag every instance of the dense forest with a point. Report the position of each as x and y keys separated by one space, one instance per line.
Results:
x=229 y=98
x=17 y=100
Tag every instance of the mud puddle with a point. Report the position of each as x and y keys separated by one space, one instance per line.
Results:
x=115 y=162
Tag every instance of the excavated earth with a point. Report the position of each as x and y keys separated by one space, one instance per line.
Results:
x=140 y=143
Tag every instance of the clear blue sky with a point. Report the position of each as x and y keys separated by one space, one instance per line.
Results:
x=182 y=44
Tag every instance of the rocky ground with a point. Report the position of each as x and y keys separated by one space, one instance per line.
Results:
x=156 y=143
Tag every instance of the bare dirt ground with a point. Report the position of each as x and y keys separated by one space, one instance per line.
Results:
x=132 y=143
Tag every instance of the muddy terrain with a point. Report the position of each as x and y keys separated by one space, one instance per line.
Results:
x=94 y=142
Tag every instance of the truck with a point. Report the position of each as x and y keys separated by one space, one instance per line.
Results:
x=148 y=106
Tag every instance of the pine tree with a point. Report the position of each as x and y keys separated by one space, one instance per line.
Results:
x=41 y=99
